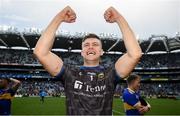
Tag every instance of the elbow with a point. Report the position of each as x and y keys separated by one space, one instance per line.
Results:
x=137 y=55
x=19 y=83
x=37 y=53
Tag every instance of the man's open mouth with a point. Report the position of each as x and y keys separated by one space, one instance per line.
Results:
x=91 y=53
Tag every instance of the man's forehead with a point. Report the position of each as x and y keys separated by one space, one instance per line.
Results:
x=91 y=40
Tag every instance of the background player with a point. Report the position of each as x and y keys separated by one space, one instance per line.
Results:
x=133 y=103
x=7 y=92
x=42 y=95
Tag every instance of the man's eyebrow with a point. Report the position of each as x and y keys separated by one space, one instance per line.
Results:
x=86 y=43
x=92 y=43
x=96 y=42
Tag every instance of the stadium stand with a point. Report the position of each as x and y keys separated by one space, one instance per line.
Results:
x=33 y=88
x=159 y=66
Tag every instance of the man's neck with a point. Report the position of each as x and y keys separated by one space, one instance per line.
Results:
x=91 y=63
x=131 y=88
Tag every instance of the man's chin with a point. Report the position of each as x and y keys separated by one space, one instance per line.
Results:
x=92 y=59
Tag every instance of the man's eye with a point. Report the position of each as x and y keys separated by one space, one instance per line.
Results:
x=95 y=44
x=85 y=45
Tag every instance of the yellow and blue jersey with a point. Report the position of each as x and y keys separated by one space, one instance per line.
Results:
x=5 y=101
x=130 y=98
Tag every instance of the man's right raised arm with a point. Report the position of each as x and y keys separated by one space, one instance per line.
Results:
x=50 y=61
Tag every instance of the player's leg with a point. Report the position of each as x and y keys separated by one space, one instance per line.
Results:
x=43 y=99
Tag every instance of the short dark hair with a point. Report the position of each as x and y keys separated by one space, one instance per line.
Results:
x=131 y=78
x=91 y=35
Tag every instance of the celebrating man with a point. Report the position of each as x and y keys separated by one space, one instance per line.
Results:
x=89 y=88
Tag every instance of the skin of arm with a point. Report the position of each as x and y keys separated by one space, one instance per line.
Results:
x=142 y=109
x=125 y=64
x=16 y=83
x=50 y=61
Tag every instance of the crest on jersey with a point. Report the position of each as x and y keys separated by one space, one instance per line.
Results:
x=91 y=74
x=101 y=75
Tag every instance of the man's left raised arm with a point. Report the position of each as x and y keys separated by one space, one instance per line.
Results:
x=125 y=64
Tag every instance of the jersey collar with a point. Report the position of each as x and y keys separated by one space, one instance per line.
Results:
x=91 y=68
x=130 y=90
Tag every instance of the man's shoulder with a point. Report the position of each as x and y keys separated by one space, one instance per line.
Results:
x=8 y=90
x=70 y=66
x=125 y=91
x=128 y=92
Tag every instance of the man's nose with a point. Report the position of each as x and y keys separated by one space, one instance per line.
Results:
x=90 y=46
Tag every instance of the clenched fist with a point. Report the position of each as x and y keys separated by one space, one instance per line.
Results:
x=68 y=15
x=111 y=15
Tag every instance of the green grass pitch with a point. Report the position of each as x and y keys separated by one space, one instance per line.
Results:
x=56 y=106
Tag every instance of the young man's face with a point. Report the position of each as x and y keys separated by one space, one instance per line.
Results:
x=91 y=49
x=3 y=83
x=136 y=83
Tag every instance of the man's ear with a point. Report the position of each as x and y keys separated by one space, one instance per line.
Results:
x=102 y=52
x=81 y=52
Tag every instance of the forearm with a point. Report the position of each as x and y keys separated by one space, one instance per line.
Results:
x=131 y=44
x=16 y=83
x=142 y=109
x=149 y=106
x=45 y=43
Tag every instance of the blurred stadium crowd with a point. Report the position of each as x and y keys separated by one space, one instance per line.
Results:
x=147 y=61
x=32 y=87
x=56 y=89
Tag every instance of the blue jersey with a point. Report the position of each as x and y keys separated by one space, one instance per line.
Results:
x=130 y=98
x=5 y=101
